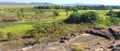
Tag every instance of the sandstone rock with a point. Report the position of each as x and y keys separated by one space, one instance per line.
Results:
x=102 y=33
x=115 y=32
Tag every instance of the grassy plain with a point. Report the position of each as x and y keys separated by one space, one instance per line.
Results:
x=61 y=17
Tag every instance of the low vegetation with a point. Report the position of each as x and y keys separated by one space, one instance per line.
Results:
x=78 y=47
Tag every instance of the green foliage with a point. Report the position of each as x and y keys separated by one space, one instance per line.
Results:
x=115 y=21
x=20 y=14
x=13 y=32
x=66 y=11
x=100 y=7
x=10 y=35
x=103 y=23
x=111 y=13
x=56 y=13
x=3 y=36
x=74 y=17
x=40 y=28
x=75 y=9
x=45 y=28
x=87 y=17
x=0 y=9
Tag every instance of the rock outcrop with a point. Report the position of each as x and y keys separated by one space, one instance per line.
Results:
x=101 y=33
x=115 y=32
x=112 y=33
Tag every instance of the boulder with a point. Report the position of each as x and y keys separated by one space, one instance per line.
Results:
x=115 y=32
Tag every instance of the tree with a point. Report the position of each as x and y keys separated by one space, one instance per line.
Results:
x=20 y=14
x=66 y=11
x=37 y=30
x=56 y=13
x=75 y=9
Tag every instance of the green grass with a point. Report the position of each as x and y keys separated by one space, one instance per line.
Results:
x=16 y=29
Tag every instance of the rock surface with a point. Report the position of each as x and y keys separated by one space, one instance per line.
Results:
x=95 y=39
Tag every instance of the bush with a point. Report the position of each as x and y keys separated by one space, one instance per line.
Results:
x=3 y=36
x=87 y=17
x=20 y=14
x=10 y=35
x=112 y=13
x=104 y=22
x=74 y=18
x=56 y=13
x=114 y=20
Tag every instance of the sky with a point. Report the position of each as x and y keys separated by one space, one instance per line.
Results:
x=104 y=2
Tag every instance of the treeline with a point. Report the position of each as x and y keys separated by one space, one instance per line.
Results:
x=100 y=7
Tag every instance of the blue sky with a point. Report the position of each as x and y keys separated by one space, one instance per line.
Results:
x=105 y=2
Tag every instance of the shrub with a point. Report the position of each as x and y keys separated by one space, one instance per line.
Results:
x=87 y=17
x=56 y=13
x=75 y=9
x=3 y=36
x=20 y=14
x=73 y=18
x=104 y=22
x=114 y=20
x=112 y=13
x=10 y=35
